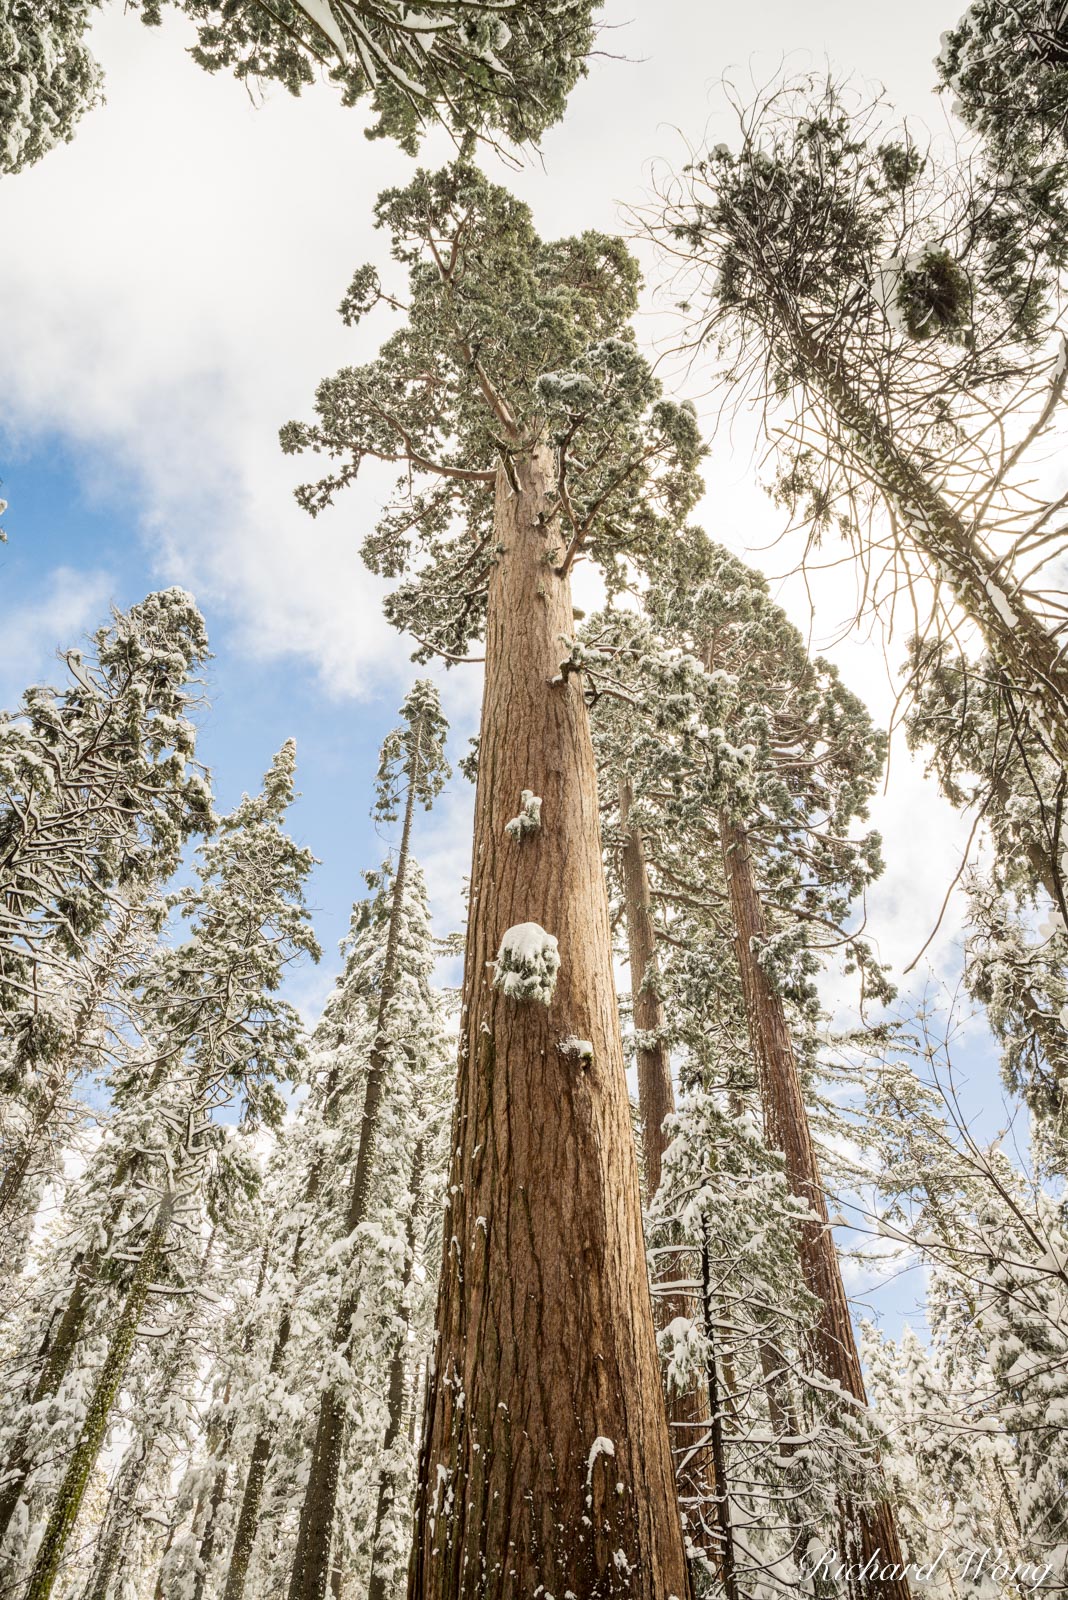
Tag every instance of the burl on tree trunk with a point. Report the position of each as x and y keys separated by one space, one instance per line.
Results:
x=871 y=1528
x=545 y=1465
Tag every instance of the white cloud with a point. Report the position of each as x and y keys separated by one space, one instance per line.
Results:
x=73 y=604
x=175 y=291
x=171 y=280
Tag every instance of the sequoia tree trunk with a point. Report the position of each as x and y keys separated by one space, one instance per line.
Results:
x=311 y=1565
x=545 y=1465
x=688 y=1412
x=786 y=1129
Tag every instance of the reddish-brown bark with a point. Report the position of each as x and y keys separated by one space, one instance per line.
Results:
x=545 y=1345
x=786 y=1129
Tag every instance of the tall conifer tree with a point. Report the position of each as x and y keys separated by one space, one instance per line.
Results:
x=531 y=431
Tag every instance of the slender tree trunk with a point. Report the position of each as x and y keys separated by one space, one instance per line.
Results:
x=545 y=1464
x=656 y=1093
x=56 y=1353
x=786 y=1128
x=216 y=1501
x=398 y=1385
x=135 y=1466
x=1032 y=658
x=110 y=1541
x=172 y=1529
x=311 y=1564
x=687 y=1411
x=263 y=1445
x=720 y=1491
x=219 y=1448
x=252 y=1497
x=69 y=1499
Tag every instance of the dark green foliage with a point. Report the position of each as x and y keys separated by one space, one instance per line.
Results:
x=48 y=77
x=484 y=68
x=509 y=340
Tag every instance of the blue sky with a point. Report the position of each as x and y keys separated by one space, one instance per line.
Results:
x=169 y=285
x=61 y=518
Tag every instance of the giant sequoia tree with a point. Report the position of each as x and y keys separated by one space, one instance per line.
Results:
x=752 y=765
x=530 y=431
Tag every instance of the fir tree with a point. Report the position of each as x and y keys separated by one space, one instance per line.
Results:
x=412 y=771
x=217 y=1032
x=99 y=795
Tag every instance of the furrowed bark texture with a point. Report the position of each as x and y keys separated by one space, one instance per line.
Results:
x=545 y=1465
x=786 y=1128
x=311 y=1566
x=688 y=1412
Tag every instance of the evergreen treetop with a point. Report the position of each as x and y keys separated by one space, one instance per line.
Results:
x=509 y=343
x=483 y=68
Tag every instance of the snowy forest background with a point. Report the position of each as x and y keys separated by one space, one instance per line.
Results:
x=769 y=372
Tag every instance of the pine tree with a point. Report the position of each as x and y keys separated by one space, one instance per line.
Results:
x=217 y=1032
x=412 y=771
x=501 y=68
x=515 y=372
x=100 y=794
x=899 y=326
